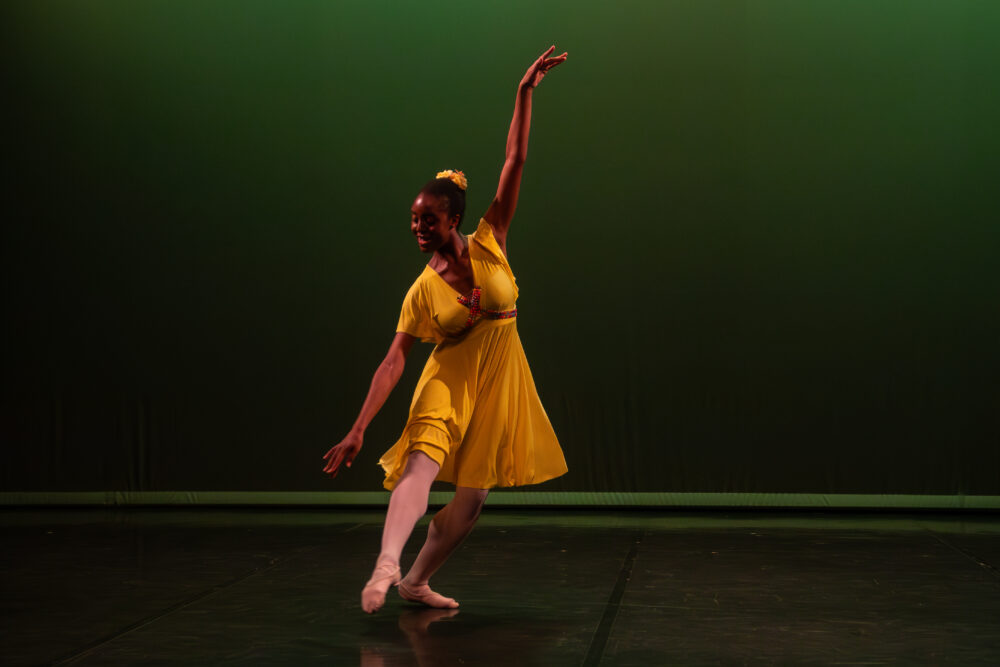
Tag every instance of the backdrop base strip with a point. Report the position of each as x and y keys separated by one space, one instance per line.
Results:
x=500 y=498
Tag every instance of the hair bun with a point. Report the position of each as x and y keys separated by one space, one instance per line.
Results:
x=457 y=177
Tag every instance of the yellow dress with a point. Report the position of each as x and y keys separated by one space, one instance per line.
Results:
x=475 y=409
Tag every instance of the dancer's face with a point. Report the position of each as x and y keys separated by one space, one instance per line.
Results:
x=429 y=222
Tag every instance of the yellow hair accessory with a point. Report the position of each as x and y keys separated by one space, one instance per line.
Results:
x=457 y=177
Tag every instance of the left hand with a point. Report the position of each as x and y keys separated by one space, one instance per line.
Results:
x=538 y=68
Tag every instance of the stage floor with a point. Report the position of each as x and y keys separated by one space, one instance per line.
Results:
x=282 y=587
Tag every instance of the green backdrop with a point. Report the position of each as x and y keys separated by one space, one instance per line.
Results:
x=756 y=242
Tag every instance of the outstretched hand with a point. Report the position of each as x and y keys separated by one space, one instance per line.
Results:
x=539 y=68
x=342 y=452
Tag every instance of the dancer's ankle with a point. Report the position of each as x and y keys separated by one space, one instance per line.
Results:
x=387 y=560
x=415 y=582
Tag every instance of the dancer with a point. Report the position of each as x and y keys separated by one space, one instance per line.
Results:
x=475 y=420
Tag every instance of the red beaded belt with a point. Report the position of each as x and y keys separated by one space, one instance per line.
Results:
x=472 y=303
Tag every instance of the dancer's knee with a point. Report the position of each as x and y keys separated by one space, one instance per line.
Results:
x=468 y=503
x=420 y=464
x=414 y=484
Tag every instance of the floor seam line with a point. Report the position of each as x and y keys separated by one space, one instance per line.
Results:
x=968 y=554
x=87 y=650
x=600 y=640
x=128 y=629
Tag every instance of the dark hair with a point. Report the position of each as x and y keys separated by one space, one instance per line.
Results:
x=447 y=189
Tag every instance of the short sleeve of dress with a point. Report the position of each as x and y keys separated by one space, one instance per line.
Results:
x=414 y=316
x=484 y=234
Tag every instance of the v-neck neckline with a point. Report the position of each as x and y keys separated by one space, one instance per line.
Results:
x=472 y=267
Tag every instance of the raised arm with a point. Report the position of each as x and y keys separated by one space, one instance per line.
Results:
x=385 y=379
x=501 y=210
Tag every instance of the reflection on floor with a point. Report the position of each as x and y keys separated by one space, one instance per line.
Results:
x=273 y=587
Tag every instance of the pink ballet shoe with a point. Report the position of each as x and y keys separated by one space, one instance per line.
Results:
x=372 y=597
x=425 y=595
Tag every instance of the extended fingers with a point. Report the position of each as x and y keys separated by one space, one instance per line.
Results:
x=334 y=462
x=552 y=62
x=540 y=60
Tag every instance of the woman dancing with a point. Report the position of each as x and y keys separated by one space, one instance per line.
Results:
x=475 y=420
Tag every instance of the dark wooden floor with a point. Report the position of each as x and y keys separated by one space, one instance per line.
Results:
x=208 y=587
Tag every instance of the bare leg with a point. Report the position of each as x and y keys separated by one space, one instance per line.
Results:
x=407 y=504
x=449 y=527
